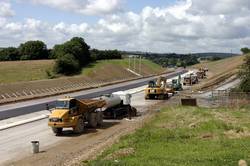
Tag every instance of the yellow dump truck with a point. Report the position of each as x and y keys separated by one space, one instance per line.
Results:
x=72 y=113
x=158 y=89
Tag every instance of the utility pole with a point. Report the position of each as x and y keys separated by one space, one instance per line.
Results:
x=140 y=65
x=129 y=62
x=134 y=63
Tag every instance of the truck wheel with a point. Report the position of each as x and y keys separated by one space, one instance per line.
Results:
x=114 y=115
x=92 y=119
x=79 y=128
x=161 y=97
x=99 y=118
x=57 y=130
x=133 y=111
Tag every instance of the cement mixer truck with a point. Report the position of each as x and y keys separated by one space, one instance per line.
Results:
x=118 y=104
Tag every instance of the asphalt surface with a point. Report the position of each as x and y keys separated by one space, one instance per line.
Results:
x=22 y=108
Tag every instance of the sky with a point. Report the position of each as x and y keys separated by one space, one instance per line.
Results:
x=164 y=26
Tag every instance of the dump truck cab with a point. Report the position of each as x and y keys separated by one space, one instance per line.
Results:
x=65 y=114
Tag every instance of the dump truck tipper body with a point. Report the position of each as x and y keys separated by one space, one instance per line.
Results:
x=73 y=113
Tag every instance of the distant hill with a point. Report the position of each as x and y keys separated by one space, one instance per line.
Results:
x=199 y=55
x=215 y=54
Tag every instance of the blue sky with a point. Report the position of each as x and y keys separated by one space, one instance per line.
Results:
x=145 y=25
x=52 y=15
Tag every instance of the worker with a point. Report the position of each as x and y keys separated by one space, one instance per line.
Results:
x=130 y=113
x=47 y=106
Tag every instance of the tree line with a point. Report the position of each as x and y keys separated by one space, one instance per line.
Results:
x=70 y=56
x=172 y=60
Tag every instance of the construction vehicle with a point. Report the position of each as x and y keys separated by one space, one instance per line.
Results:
x=190 y=79
x=176 y=84
x=158 y=89
x=118 y=104
x=201 y=74
x=72 y=113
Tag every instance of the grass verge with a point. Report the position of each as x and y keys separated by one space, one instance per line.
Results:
x=180 y=136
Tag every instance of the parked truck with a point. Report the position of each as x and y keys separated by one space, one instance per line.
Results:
x=202 y=73
x=72 y=113
x=190 y=79
x=118 y=104
x=176 y=84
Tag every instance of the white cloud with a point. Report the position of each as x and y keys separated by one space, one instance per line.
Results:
x=5 y=9
x=89 y=7
x=187 y=26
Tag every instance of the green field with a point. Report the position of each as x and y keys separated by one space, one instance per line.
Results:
x=147 y=66
x=185 y=136
x=17 y=71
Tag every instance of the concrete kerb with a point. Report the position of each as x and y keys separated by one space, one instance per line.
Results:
x=22 y=122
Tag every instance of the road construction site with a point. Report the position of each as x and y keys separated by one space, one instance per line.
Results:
x=28 y=123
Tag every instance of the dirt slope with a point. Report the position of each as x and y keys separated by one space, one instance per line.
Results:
x=219 y=70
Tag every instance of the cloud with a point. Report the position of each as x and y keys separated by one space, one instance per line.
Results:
x=5 y=9
x=187 y=26
x=87 y=7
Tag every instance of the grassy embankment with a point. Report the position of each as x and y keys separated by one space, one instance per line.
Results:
x=219 y=70
x=185 y=136
x=36 y=70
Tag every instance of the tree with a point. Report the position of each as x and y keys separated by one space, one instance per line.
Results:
x=67 y=64
x=32 y=50
x=9 y=54
x=71 y=56
x=245 y=75
x=76 y=47
x=245 y=50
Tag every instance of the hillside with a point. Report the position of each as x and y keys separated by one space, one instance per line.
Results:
x=22 y=71
x=219 y=70
x=16 y=78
